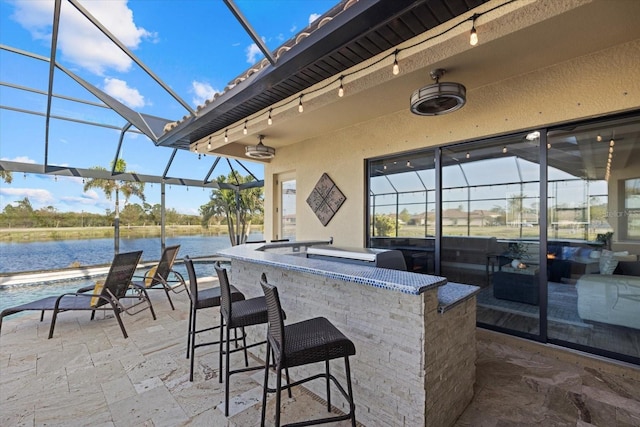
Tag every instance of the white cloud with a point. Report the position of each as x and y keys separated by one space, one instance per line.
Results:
x=201 y=92
x=89 y=201
x=91 y=194
x=89 y=198
x=313 y=17
x=20 y=159
x=123 y=93
x=252 y=53
x=79 y=41
x=37 y=196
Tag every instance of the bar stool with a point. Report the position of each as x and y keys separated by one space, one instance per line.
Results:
x=310 y=341
x=205 y=298
x=233 y=315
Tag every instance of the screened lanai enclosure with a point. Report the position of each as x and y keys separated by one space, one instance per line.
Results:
x=67 y=118
x=532 y=211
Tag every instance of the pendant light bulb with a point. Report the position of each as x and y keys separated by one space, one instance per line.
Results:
x=341 y=89
x=612 y=143
x=504 y=149
x=226 y=135
x=300 y=107
x=244 y=130
x=473 y=34
x=269 y=119
x=468 y=155
x=599 y=138
x=396 y=67
x=209 y=144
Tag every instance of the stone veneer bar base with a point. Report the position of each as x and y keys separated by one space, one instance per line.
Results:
x=414 y=366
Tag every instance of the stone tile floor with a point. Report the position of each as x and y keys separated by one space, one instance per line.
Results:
x=88 y=374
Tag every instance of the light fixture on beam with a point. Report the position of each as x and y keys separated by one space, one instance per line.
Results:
x=438 y=98
x=260 y=151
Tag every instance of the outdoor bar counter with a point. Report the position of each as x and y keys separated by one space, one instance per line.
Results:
x=414 y=333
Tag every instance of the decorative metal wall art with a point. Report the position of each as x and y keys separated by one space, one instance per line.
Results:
x=325 y=199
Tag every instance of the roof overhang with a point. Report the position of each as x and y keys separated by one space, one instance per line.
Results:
x=356 y=32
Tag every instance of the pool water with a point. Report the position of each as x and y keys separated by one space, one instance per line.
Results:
x=11 y=296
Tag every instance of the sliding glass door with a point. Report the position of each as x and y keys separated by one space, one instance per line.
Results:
x=490 y=227
x=402 y=204
x=594 y=201
x=545 y=222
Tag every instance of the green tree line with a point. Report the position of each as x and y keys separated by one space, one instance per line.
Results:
x=23 y=215
x=224 y=208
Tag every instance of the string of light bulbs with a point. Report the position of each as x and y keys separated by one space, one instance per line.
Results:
x=612 y=143
x=395 y=70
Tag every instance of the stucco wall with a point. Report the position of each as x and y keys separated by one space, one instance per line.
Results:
x=589 y=86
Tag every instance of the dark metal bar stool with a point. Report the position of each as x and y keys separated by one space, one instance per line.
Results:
x=233 y=315
x=303 y=343
x=198 y=300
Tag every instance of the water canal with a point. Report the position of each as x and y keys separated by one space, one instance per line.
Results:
x=51 y=255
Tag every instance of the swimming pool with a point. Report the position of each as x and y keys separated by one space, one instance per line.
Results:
x=13 y=295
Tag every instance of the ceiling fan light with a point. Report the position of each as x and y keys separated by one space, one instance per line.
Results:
x=438 y=98
x=260 y=151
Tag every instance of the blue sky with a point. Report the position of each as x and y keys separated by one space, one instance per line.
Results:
x=195 y=46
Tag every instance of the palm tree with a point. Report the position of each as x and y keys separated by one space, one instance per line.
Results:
x=109 y=186
x=239 y=207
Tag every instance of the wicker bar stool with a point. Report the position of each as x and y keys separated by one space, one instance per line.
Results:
x=310 y=341
x=234 y=315
x=200 y=299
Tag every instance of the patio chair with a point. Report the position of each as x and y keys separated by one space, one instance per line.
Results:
x=307 y=342
x=234 y=315
x=108 y=295
x=201 y=299
x=163 y=276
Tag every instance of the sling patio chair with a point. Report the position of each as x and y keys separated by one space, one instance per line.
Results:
x=163 y=276
x=107 y=295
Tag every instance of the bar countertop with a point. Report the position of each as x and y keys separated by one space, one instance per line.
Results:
x=449 y=294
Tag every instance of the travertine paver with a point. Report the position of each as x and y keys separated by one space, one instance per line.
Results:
x=88 y=374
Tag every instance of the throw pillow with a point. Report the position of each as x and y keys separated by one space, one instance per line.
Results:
x=97 y=290
x=609 y=261
x=584 y=252
x=628 y=268
x=569 y=252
